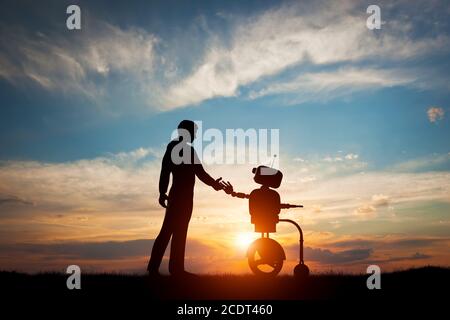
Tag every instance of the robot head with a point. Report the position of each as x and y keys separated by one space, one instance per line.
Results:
x=267 y=176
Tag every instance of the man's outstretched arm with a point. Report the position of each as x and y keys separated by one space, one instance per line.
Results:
x=206 y=178
x=203 y=175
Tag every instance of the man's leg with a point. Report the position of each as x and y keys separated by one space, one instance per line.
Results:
x=161 y=242
x=178 y=245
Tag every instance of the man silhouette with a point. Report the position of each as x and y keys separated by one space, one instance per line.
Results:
x=182 y=162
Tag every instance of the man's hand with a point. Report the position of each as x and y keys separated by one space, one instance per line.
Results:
x=162 y=200
x=218 y=185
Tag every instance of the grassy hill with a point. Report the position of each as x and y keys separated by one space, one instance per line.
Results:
x=402 y=284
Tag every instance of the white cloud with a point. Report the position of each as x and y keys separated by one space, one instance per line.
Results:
x=350 y=189
x=351 y=156
x=342 y=194
x=331 y=84
x=369 y=210
x=435 y=114
x=380 y=200
x=110 y=183
x=81 y=65
x=366 y=211
x=107 y=61
x=307 y=179
x=427 y=163
x=267 y=44
x=128 y=181
x=116 y=196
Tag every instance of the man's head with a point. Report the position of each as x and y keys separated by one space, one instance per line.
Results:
x=188 y=129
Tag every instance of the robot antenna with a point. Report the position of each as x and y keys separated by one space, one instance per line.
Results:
x=273 y=159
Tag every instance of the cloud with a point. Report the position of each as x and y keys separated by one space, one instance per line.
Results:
x=384 y=250
x=336 y=83
x=366 y=211
x=418 y=256
x=435 y=114
x=127 y=182
x=434 y=162
x=338 y=158
x=401 y=187
x=379 y=200
x=84 y=65
x=349 y=190
x=102 y=256
x=267 y=44
x=415 y=256
x=12 y=200
x=105 y=62
x=325 y=256
x=351 y=156
x=114 y=182
x=390 y=242
x=80 y=206
x=84 y=250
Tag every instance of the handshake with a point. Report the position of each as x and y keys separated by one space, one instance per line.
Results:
x=217 y=185
x=222 y=185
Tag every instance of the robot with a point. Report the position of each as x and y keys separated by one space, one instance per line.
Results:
x=265 y=255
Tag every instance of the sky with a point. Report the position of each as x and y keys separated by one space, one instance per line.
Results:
x=362 y=116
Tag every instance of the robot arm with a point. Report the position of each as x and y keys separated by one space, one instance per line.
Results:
x=289 y=206
x=228 y=188
x=240 y=195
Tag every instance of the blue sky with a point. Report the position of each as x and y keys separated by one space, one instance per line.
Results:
x=88 y=99
x=379 y=120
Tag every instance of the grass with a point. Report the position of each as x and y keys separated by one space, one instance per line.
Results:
x=401 y=284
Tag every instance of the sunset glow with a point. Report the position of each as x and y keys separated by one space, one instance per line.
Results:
x=243 y=240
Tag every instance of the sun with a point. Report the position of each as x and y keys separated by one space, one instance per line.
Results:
x=244 y=239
